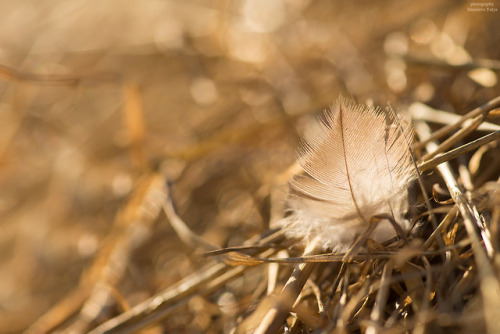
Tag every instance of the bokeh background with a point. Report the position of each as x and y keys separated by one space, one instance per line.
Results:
x=224 y=90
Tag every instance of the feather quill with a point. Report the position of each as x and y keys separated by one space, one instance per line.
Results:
x=357 y=166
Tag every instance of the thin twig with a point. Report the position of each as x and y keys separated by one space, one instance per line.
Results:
x=137 y=217
x=380 y=300
x=424 y=315
x=180 y=227
x=422 y=112
x=419 y=174
x=443 y=157
x=276 y=316
x=13 y=75
x=207 y=279
x=489 y=285
x=457 y=136
x=491 y=64
x=446 y=220
x=485 y=108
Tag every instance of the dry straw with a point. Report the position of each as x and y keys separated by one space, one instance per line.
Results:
x=388 y=271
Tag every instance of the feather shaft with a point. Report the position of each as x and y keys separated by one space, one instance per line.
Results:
x=356 y=167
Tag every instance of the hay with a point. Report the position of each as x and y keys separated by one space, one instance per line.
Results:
x=143 y=170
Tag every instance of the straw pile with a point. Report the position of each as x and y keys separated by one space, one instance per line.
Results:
x=146 y=150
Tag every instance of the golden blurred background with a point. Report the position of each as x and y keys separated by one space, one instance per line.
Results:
x=219 y=92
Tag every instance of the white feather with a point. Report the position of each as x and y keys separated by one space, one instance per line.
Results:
x=357 y=166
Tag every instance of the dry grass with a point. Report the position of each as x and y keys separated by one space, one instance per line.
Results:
x=101 y=106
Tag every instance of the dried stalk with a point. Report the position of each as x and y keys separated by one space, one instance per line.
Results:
x=484 y=109
x=489 y=285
